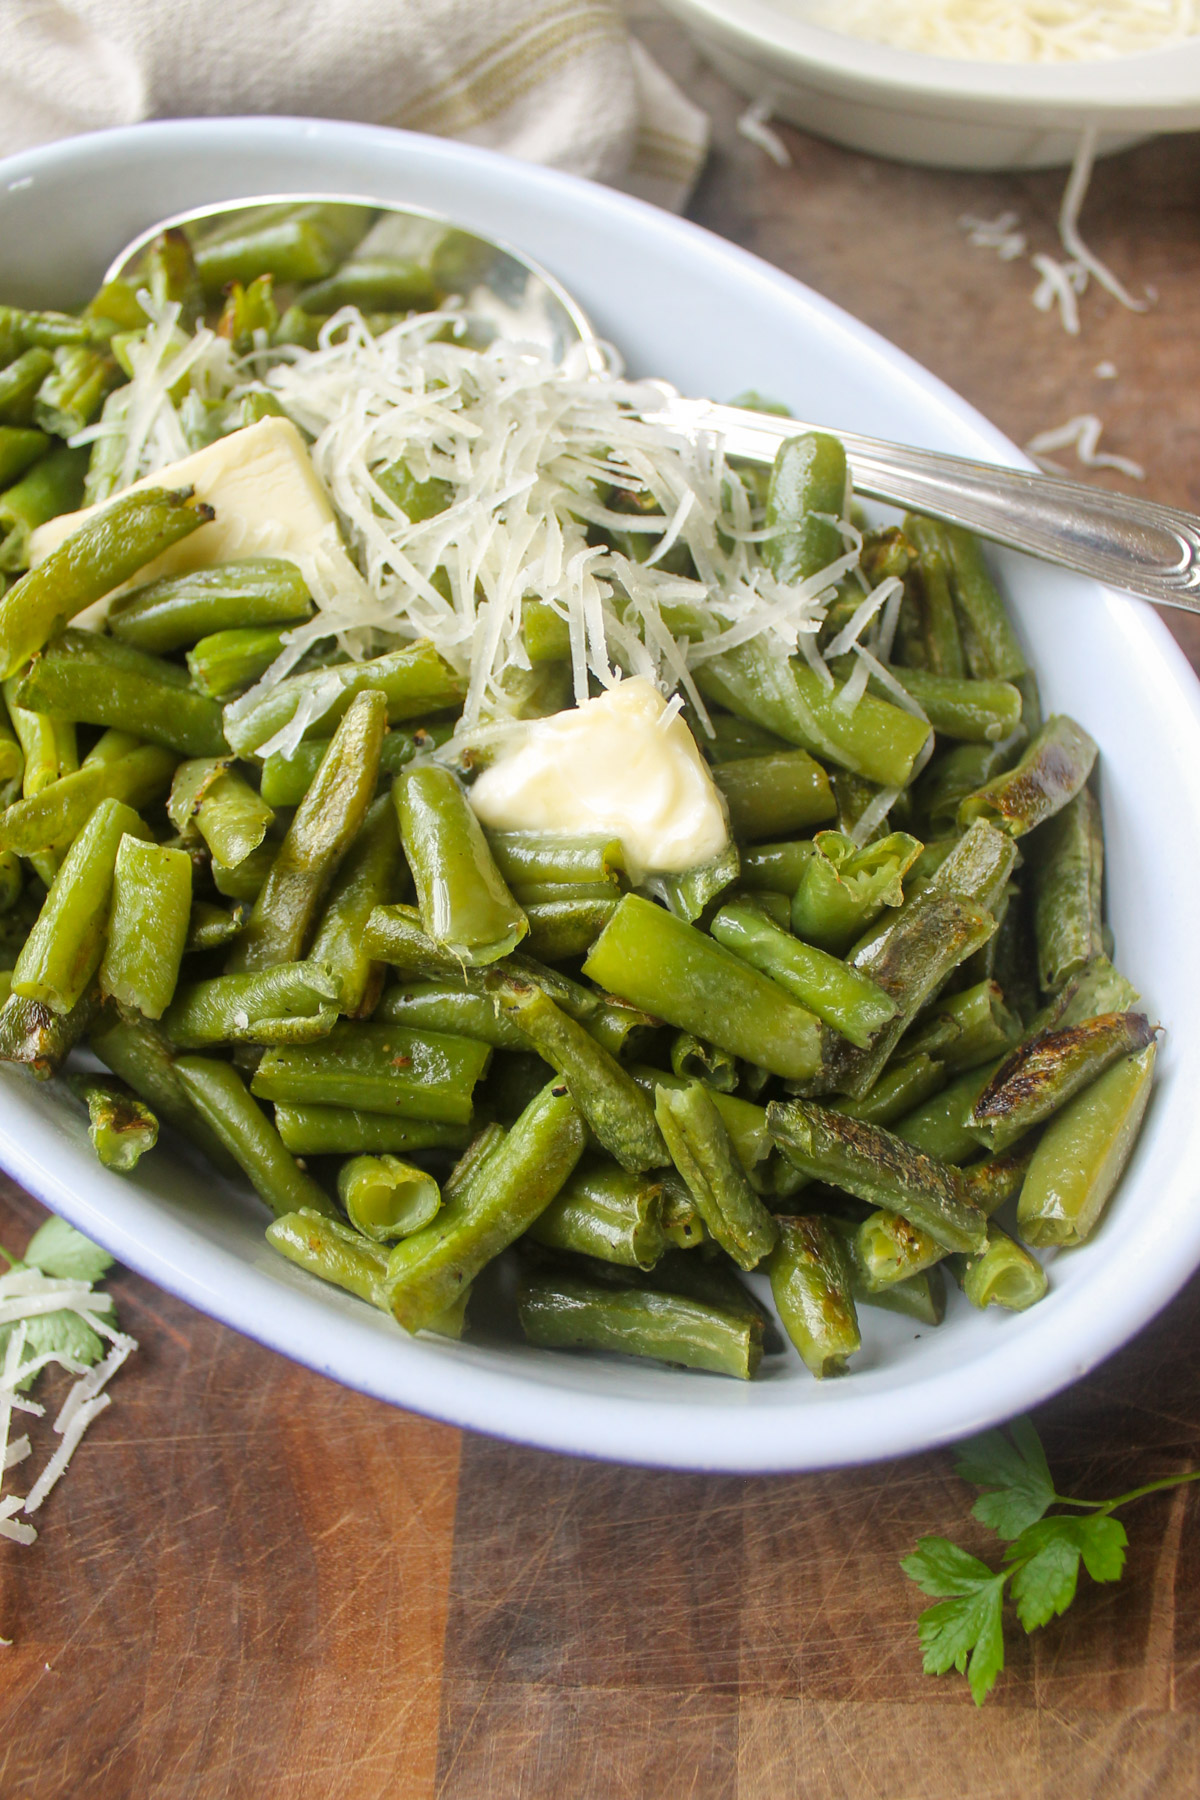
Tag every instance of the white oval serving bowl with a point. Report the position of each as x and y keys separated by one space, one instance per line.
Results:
x=941 y=110
x=682 y=304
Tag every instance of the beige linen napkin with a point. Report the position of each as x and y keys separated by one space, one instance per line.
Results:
x=552 y=81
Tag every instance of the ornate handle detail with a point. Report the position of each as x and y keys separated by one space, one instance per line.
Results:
x=1136 y=545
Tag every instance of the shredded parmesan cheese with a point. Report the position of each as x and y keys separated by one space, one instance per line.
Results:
x=1081 y=434
x=754 y=125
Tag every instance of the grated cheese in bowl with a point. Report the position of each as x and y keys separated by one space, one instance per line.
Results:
x=1010 y=30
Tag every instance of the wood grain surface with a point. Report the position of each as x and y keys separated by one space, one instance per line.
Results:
x=254 y=1584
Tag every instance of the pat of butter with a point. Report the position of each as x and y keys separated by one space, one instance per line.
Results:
x=263 y=488
x=614 y=765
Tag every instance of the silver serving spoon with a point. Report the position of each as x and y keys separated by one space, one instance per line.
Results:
x=1136 y=545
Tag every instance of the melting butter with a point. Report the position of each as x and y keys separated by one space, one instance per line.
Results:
x=616 y=765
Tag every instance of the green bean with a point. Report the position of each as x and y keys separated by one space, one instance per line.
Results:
x=417 y=500
x=943 y=646
x=1051 y=772
x=231 y=818
x=1068 y=880
x=396 y=935
x=55 y=815
x=887 y=1250
x=848 y=1001
x=607 y=1213
x=911 y=963
x=220 y=1096
x=1081 y=1154
x=298 y=241
x=997 y=1179
x=775 y=868
x=21 y=330
x=19 y=383
x=53 y=485
x=48 y=744
x=879 y=1167
x=427 y=1271
x=178 y=610
x=469 y=1165
x=374 y=284
x=992 y=649
x=33 y=1034
x=414 y=681
x=958 y=772
x=615 y=1108
x=11 y=881
x=464 y=901
x=290 y=1003
x=385 y=1198
x=325 y=824
x=329 y=1249
x=212 y=927
x=1098 y=988
x=939 y=1125
x=843 y=889
x=74 y=390
x=343 y=1131
x=378 y=1068
x=98 y=681
x=12 y=755
x=105 y=551
x=19 y=447
x=767 y=795
x=147 y=930
x=563 y=1311
x=981 y=1027
x=902 y=1086
x=810 y=1283
x=690 y=892
x=1003 y=1275
x=975 y=712
x=229 y=662
x=122 y=1127
x=694 y=1060
x=286 y=779
x=732 y=739
x=139 y=1054
x=440 y=1005
x=807 y=494
x=921 y=1297
x=523 y=857
x=874 y=739
x=561 y=930
x=705 y=1155
x=1047 y=1068
x=245 y=882
x=366 y=878
x=62 y=953
x=670 y=969
x=680 y=1218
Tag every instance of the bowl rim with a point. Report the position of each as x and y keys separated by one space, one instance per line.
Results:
x=1159 y=89
x=514 y=1401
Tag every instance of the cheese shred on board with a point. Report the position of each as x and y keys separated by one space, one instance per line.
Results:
x=469 y=483
x=52 y=1314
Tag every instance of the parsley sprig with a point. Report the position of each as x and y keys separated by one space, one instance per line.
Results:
x=1043 y=1551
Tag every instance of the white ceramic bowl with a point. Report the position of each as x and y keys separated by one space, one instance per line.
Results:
x=940 y=110
x=686 y=305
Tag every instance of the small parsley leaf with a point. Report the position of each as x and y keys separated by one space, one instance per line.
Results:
x=57 y=1249
x=63 y=1332
x=1014 y=1474
x=966 y=1633
x=940 y=1569
x=1047 y=1556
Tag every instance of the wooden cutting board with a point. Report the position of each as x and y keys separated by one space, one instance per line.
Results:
x=255 y=1584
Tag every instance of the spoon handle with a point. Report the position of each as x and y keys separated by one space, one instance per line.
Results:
x=1136 y=545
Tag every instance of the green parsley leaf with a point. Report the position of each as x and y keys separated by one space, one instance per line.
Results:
x=56 y=1248
x=940 y=1568
x=1047 y=1555
x=1015 y=1475
x=966 y=1634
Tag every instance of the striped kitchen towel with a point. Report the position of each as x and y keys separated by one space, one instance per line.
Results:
x=552 y=81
